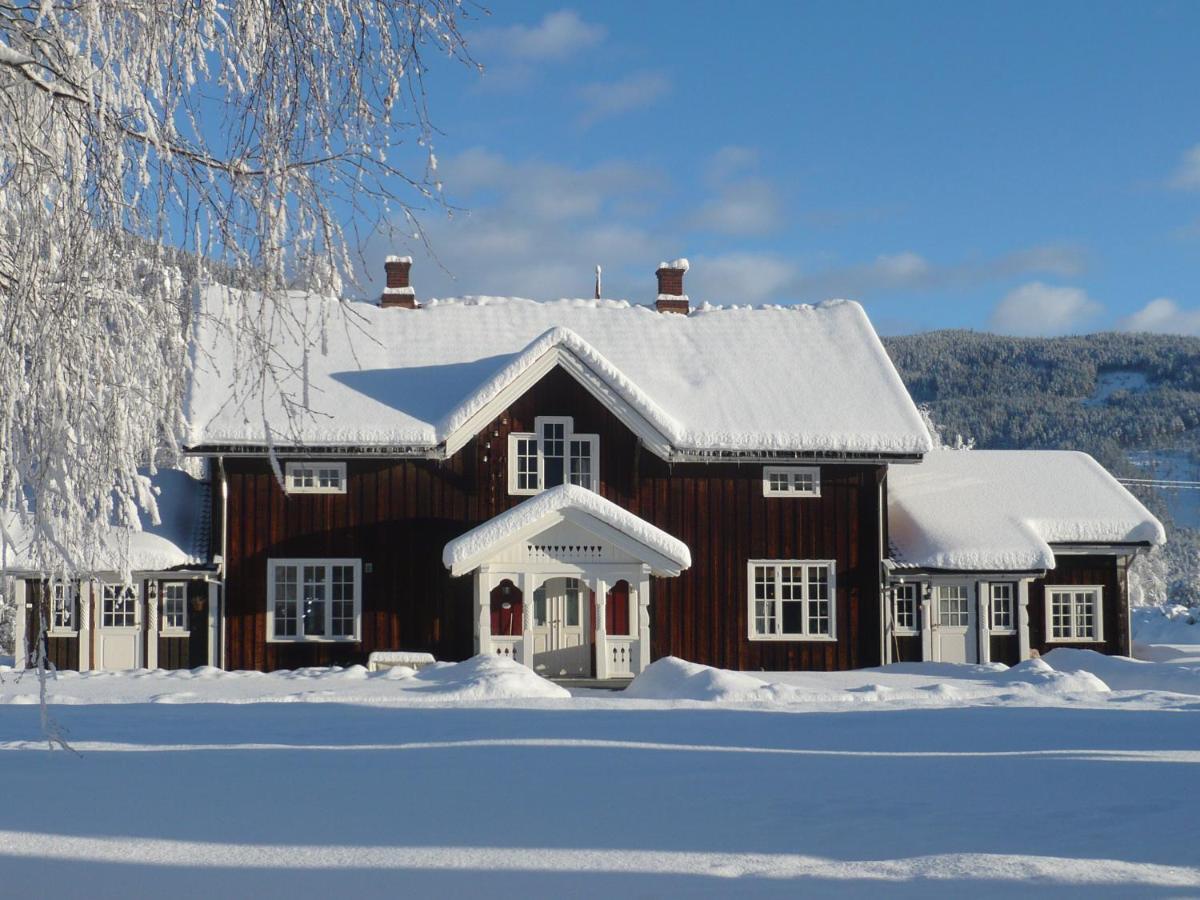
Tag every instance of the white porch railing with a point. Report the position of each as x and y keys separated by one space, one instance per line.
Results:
x=510 y=647
x=622 y=653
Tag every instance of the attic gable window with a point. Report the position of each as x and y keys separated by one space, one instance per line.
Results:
x=551 y=455
x=316 y=478
x=791 y=481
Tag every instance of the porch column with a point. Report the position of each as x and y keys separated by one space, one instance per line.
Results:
x=601 y=588
x=984 y=595
x=643 y=620
x=1023 y=618
x=927 y=641
x=83 y=610
x=525 y=584
x=20 y=639
x=483 y=617
x=214 y=619
x=151 y=588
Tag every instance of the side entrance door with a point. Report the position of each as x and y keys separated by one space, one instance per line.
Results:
x=119 y=629
x=954 y=627
x=560 y=646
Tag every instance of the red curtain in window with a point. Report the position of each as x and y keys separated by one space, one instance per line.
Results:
x=616 y=609
x=506 y=609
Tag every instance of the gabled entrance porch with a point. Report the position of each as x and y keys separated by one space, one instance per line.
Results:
x=562 y=583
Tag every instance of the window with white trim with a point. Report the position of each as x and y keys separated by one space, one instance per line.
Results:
x=791 y=600
x=791 y=481
x=314 y=599
x=64 y=605
x=1003 y=608
x=1074 y=613
x=316 y=478
x=551 y=455
x=904 y=607
x=954 y=605
x=174 y=606
x=118 y=606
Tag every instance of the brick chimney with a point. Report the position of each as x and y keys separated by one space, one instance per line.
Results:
x=398 y=291
x=671 y=297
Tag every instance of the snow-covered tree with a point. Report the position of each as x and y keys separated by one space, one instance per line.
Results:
x=144 y=143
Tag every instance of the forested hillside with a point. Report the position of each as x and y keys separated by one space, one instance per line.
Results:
x=1131 y=400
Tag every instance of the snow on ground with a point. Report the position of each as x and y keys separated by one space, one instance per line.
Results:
x=1168 y=624
x=921 y=781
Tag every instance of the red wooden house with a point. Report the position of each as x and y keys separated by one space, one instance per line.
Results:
x=585 y=486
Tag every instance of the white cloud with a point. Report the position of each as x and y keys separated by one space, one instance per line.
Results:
x=1187 y=176
x=729 y=161
x=751 y=206
x=1037 y=308
x=604 y=99
x=556 y=38
x=1164 y=316
x=740 y=278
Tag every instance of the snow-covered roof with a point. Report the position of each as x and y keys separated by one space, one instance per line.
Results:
x=569 y=501
x=1001 y=510
x=803 y=378
x=180 y=539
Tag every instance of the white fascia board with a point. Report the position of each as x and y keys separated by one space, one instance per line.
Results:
x=659 y=564
x=559 y=355
x=469 y=564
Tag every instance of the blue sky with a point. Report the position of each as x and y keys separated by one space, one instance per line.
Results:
x=1021 y=168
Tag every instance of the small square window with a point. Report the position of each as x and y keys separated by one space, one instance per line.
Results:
x=316 y=478
x=791 y=481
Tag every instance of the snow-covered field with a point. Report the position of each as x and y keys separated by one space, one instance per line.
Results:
x=1068 y=776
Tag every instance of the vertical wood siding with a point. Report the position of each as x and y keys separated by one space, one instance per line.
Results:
x=396 y=516
x=1102 y=570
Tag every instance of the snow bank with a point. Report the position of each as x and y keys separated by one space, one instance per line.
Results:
x=1124 y=674
x=1168 y=624
x=798 y=378
x=478 y=541
x=921 y=684
x=479 y=679
x=1000 y=510
x=671 y=678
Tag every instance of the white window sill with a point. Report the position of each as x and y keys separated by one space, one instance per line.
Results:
x=1002 y=632
x=61 y=632
x=796 y=638
x=906 y=632
x=175 y=633
x=1090 y=640
x=314 y=640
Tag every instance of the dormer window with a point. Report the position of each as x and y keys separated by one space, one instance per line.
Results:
x=551 y=455
x=791 y=481
x=316 y=478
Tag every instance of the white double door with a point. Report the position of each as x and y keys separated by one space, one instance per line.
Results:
x=560 y=629
x=955 y=626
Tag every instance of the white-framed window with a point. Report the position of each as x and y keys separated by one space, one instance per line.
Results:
x=791 y=481
x=64 y=607
x=316 y=477
x=1003 y=603
x=551 y=455
x=1074 y=613
x=791 y=600
x=174 y=606
x=905 y=598
x=314 y=599
x=118 y=606
x=953 y=605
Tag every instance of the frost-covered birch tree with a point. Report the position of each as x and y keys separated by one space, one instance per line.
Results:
x=146 y=144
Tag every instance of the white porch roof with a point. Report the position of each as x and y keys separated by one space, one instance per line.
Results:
x=666 y=555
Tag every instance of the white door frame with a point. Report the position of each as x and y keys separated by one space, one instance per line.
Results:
x=122 y=633
x=968 y=632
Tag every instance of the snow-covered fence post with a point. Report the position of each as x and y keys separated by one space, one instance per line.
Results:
x=20 y=615
x=1023 y=618
x=84 y=612
x=525 y=583
x=151 y=624
x=643 y=620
